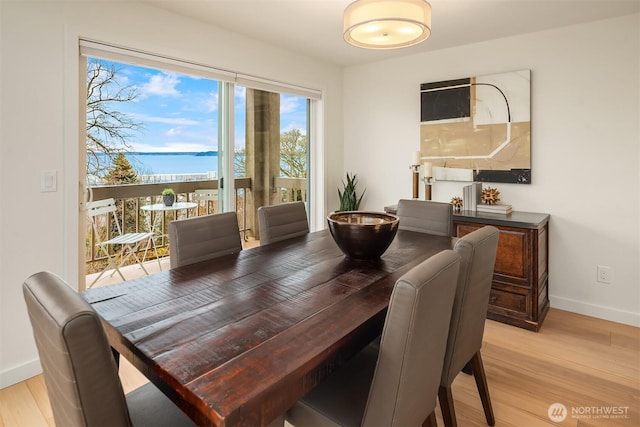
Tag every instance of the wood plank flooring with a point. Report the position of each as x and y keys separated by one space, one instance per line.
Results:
x=584 y=363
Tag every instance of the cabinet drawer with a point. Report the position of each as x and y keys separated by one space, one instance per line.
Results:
x=508 y=300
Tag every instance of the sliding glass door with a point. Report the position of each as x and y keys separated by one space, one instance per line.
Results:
x=271 y=148
x=154 y=122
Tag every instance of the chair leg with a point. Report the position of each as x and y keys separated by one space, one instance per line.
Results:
x=125 y=253
x=467 y=369
x=483 y=389
x=133 y=251
x=116 y=356
x=111 y=261
x=151 y=243
x=446 y=406
x=431 y=420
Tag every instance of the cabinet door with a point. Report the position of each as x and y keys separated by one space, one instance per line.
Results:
x=513 y=259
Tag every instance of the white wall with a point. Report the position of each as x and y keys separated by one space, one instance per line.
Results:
x=40 y=118
x=585 y=141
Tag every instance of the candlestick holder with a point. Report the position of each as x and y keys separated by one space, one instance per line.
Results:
x=428 y=183
x=416 y=180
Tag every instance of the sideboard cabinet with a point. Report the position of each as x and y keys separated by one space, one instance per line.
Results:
x=520 y=288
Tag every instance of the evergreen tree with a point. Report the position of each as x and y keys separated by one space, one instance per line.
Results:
x=121 y=172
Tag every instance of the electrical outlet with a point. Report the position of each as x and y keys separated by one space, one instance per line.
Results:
x=604 y=274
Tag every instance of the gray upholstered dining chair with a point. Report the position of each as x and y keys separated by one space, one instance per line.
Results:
x=80 y=371
x=282 y=221
x=397 y=385
x=425 y=216
x=203 y=238
x=477 y=251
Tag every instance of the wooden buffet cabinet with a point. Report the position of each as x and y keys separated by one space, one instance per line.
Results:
x=520 y=289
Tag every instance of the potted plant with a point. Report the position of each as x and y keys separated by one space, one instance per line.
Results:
x=168 y=197
x=349 y=200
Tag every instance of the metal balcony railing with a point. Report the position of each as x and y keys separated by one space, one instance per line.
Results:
x=130 y=198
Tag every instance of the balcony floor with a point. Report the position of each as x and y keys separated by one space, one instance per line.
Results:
x=135 y=271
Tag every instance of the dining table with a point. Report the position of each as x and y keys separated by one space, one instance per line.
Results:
x=237 y=340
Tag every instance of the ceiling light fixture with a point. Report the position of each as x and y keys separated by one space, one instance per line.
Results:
x=387 y=24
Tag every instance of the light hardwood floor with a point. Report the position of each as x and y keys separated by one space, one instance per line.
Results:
x=584 y=363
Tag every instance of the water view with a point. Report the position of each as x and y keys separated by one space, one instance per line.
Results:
x=174 y=163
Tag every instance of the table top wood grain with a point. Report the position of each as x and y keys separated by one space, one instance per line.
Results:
x=239 y=339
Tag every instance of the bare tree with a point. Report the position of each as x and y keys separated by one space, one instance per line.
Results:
x=240 y=162
x=107 y=128
x=293 y=154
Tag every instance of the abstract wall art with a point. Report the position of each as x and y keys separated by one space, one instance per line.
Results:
x=478 y=128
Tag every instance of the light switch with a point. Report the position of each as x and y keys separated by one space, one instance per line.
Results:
x=48 y=181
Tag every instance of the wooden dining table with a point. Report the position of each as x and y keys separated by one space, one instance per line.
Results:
x=237 y=340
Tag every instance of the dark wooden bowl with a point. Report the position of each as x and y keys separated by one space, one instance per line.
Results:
x=362 y=235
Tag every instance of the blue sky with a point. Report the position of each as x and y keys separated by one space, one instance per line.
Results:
x=180 y=112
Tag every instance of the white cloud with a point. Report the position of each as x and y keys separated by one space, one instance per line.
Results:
x=175 y=131
x=161 y=85
x=293 y=125
x=167 y=120
x=174 y=147
x=289 y=104
x=211 y=102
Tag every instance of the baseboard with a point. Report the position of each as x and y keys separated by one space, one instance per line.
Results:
x=20 y=373
x=593 y=310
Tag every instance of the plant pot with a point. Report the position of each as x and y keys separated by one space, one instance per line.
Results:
x=169 y=199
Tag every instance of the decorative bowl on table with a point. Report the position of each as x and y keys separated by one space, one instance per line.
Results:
x=362 y=235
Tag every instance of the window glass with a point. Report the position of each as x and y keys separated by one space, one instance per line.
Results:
x=163 y=124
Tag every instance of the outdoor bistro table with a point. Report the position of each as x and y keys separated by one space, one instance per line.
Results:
x=239 y=339
x=161 y=207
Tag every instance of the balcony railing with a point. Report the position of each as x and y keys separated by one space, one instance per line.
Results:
x=130 y=198
x=291 y=189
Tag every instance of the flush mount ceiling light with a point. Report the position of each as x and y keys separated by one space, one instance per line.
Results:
x=387 y=24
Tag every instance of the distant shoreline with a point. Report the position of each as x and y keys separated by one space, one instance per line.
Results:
x=172 y=153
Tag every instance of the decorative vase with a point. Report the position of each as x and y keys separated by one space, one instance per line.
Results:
x=169 y=199
x=363 y=235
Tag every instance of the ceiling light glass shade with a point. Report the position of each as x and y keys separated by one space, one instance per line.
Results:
x=387 y=24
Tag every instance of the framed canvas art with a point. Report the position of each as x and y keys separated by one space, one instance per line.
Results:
x=478 y=128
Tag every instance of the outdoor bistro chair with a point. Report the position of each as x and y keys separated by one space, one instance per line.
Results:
x=281 y=222
x=79 y=368
x=397 y=385
x=206 y=195
x=425 y=216
x=103 y=216
x=203 y=238
x=477 y=251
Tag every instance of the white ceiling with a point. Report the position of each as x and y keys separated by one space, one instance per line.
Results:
x=314 y=27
